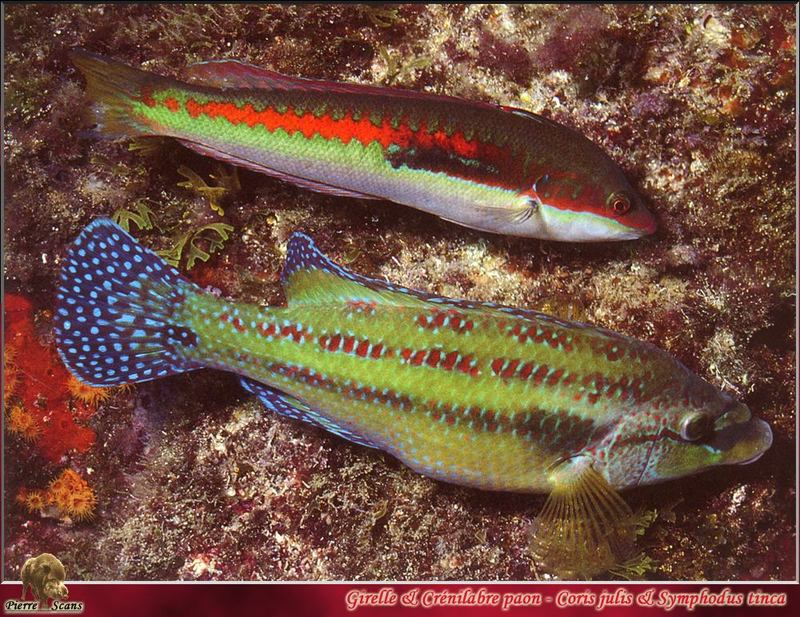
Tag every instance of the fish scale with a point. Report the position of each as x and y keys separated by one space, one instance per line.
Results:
x=484 y=166
x=473 y=393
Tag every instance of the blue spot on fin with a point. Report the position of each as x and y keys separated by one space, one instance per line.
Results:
x=302 y=254
x=290 y=407
x=117 y=317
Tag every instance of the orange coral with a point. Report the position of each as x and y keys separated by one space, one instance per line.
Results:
x=23 y=424
x=72 y=495
x=39 y=386
x=35 y=500
x=85 y=393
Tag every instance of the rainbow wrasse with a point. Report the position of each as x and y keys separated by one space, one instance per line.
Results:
x=475 y=394
x=488 y=167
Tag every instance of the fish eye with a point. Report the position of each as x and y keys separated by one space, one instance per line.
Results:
x=696 y=426
x=619 y=203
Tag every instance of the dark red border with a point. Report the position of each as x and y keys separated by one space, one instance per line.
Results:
x=201 y=600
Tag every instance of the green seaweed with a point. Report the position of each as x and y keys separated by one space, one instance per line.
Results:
x=399 y=68
x=228 y=183
x=635 y=568
x=215 y=234
x=379 y=16
x=141 y=216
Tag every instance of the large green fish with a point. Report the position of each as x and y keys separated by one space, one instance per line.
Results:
x=475 y=394
x=484 y=166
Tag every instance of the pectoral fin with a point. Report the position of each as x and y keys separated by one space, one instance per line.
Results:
x=585 y=527
x=507 y=215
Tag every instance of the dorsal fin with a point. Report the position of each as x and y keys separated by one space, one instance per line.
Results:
x=310 y=277
x=237 y=74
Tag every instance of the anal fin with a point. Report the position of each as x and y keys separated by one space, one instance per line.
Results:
x=585 y=527
x=290 y=407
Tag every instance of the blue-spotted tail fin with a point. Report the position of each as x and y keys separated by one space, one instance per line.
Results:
x=117 y=317
x=290 y=407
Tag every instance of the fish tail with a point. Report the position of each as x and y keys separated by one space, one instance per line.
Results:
x=114 y=88
x=121 y=311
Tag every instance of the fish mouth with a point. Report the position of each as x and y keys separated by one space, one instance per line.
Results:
x=743 y=443
x=765 y=440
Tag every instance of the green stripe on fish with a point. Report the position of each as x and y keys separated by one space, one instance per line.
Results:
x=488 y=167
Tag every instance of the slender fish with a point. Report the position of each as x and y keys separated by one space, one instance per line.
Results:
x=476 y=394
x=488 y=167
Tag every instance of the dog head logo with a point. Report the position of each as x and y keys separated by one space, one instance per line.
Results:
x=45 y=576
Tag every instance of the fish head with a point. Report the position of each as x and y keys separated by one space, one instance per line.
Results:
x=591 y=202
x=701 y=429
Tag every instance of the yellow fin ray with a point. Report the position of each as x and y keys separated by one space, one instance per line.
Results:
x=585 y=527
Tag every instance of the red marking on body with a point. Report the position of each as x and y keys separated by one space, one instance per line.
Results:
x=497 y=365
x=360 y=306
x=511 y=369
x=418 y=358
x=266 y=329
x=363 y=348
x=349 y=344
x=433 y=358
x=464 y=364
x=422 y=321
x=147 y=96
x=450 y=360
x=171 y=104
x=540 y=374
x=333 y=344
x=526 y=371
x=555 y=377
x=224 y=317
x=237 y=323
x=405 y=354
x=377 y=351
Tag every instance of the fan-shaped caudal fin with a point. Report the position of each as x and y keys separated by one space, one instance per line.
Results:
x=585 y=527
